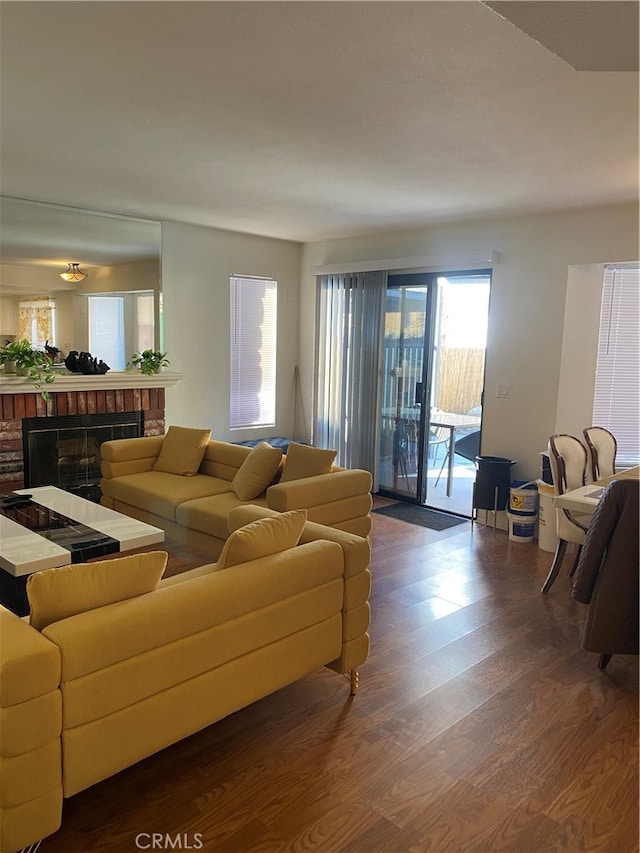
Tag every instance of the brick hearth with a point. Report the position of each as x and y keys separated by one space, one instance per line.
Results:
x=16 y=404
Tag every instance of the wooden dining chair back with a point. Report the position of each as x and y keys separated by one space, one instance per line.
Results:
x=601 y=450
x=568 y=462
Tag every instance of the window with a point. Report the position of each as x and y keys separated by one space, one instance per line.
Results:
x=253 y=351
x=106 y=330
x=145 y=323
x=121 y=324
x=36 y=321
x=616 y=404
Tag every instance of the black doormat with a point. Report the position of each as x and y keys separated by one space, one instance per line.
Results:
x=415 y=514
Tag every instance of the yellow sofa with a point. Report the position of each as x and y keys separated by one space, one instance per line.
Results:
x=97 y=691
x=194 y=510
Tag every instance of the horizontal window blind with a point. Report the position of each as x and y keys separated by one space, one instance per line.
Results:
x=616 y=404
x=253 y=352
x=106 y=330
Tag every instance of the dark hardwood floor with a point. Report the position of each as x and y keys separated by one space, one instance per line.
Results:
x=480 y=725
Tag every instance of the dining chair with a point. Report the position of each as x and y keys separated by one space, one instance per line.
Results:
x=568 y=461
x=601 y=450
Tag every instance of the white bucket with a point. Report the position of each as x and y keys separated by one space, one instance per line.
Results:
x=523 y=498
x=521 y=527
x=547 y=536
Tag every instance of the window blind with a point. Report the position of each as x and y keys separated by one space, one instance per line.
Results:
x=349 y=342
x=106 y=330
x=253 y=352
x=616 y=404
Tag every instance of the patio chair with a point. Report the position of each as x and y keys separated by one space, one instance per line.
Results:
x=467 y=446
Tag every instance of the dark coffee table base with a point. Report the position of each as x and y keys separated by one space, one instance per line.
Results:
x=13 y=593
x=13 y=590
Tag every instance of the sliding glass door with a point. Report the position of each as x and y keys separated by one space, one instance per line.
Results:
x=431 y=387
x=402 y=391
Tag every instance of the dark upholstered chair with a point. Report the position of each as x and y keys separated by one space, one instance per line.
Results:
x=606 y=577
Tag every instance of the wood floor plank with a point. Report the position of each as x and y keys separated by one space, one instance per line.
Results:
x=480 y=725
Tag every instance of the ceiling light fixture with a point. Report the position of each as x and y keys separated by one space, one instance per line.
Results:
x=73 y=273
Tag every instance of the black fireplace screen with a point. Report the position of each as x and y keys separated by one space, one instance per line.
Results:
x=65 y=451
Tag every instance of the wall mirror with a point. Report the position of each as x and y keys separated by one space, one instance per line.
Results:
x=114 y=311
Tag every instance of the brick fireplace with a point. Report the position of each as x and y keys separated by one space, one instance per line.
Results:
x=74 y=397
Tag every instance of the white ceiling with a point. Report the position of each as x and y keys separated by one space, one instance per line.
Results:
x=312 y=120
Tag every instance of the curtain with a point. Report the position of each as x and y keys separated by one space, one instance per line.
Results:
x=35 y=321
x=349 y=344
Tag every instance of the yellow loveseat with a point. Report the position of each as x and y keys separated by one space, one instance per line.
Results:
x=97 y=691
x=194 y=508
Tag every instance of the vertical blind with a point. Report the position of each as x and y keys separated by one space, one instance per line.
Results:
x=616 y=404
x=350 y=311
x=253 y=352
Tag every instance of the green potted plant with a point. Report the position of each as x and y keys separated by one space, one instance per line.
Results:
x=20 y=357
x=149 y=361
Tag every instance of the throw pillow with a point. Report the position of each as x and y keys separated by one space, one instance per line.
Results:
x=182 y=450
x=257 y=471
x=262 y=538
x=55 y=594
x=303 y=461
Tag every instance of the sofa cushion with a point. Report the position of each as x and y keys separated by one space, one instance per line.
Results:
x=160 y=493
x=209 y=514
x=262 y=538
x=55 y=594
x=303 y=461
x=257 y=471
x=182 y=450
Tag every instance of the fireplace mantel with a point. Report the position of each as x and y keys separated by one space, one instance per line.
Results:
x=120 y=379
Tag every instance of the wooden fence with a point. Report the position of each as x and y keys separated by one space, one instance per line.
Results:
x=460 y=379
x=459 y=382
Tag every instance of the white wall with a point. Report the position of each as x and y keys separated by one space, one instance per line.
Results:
x=579 y=348
x=196 y=265
x=526 y=316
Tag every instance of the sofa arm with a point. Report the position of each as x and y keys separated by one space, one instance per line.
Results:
x=341 y=499
x=30 y=730
x=124 y=456
x=356 y=613
x=318 y=490
x=29 y=664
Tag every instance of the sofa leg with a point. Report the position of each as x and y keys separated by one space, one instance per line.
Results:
x=603 y=660
x=354 y=679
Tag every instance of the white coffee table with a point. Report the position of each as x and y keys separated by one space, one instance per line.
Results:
x=24 y=551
